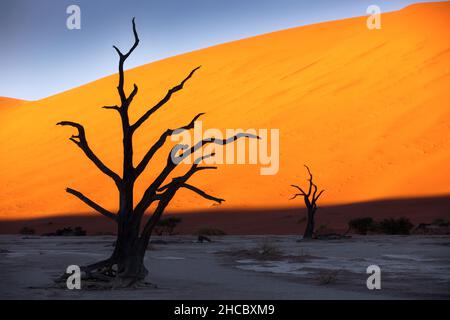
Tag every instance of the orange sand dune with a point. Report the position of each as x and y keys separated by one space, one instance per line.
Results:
x=6 y=102
x=368 y=110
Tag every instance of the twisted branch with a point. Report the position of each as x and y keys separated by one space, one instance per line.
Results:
x=92 y=204
x=158 y=144
x=122 y=57
x=81 y=142
x=310 y=200
x=163 y=101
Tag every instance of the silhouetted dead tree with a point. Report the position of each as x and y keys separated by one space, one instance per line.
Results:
x=126 y=264
x=310 y=199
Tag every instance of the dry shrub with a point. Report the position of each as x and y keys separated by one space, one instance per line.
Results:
x=327 y=277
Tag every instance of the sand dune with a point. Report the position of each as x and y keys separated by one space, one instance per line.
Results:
x=366 y=109
x=6 y=102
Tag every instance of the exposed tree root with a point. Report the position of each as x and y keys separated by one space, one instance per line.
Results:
x=103 y=275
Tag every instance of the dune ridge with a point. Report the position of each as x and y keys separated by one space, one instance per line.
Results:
x=6 y=102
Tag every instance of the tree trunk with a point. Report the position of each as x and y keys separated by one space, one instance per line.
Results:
x=130 y=265
x=309 y=231
x=128 y=256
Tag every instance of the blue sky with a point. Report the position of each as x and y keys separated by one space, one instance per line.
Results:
x=41 y=57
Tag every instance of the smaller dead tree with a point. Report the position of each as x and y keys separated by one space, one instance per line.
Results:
x=310 y=199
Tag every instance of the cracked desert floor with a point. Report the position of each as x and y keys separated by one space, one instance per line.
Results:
x=233 y=267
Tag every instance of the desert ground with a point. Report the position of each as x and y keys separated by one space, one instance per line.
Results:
x=238 y=267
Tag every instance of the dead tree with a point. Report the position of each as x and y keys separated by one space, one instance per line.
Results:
x=126 y=264
x=310 y=199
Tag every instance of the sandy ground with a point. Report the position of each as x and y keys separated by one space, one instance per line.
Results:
x=232 y=267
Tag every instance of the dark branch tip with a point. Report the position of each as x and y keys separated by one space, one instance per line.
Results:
x=118 y=51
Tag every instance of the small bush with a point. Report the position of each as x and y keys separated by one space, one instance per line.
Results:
x=328 y=277
x=167 y=225
x=441 y=222
x=268 y=248
x=395 y=226
x=27 y=231
x=77 y=231
x=321 y=228
x=362 y=225
x=210 y=232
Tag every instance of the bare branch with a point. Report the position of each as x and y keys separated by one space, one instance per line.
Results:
x=153 y=220
x=118 y=51
x=318 y=196
x=92 y=204
x=81 y=142
x=315 y=190
x=205 y=168
x=310 y=180
x=136 y=39
x=310 y=203
x=300 y=189
x=295 y=196
x=132 y=94
x=188 y=151
x=112 y=107
x=202 y=193
x=309 y=172
x=163 y=101
x=122 y=57
x=180 y=180
x=136 y=42
x=158 y=144
x=201 y=158
x=150 y=193
x=310 y=188
x=170 y=190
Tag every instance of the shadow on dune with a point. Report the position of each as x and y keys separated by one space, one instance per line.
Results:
x=256 y=221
